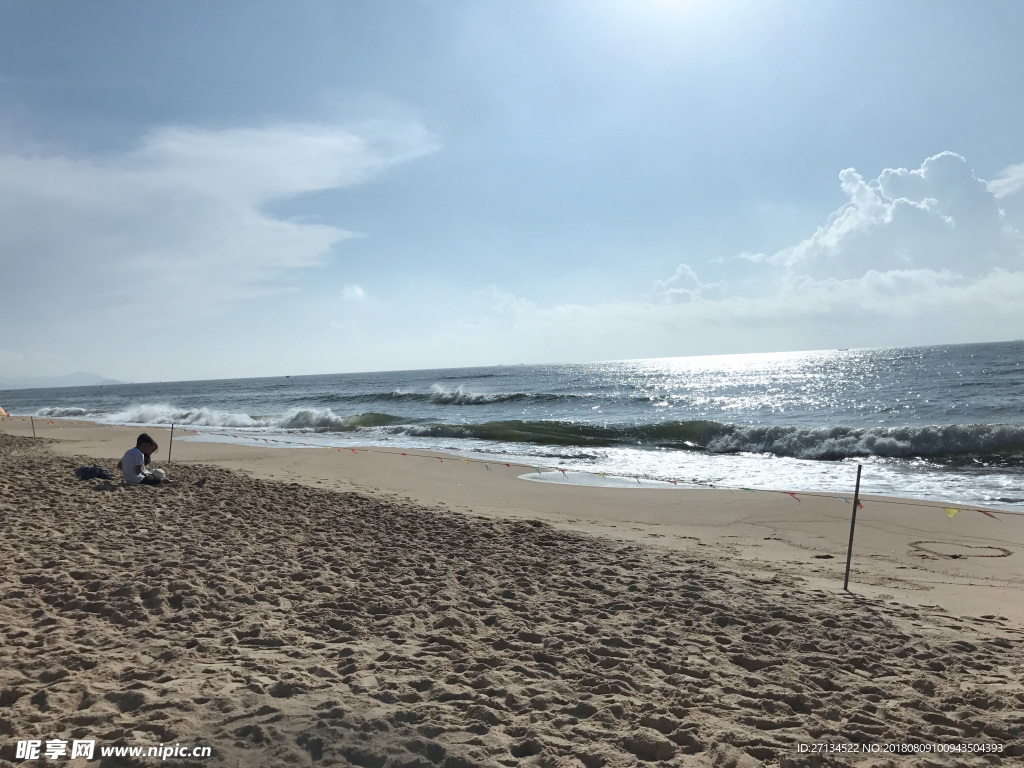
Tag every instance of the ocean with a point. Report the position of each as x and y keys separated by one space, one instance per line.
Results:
x=942 y=423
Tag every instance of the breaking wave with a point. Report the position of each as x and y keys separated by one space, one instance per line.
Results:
x=297 y=419
x=459 y=396
x=160 y=413
x=325 y=420
x=892 y=442
x=1004 y=442
x=830 y=444
x=67 y=413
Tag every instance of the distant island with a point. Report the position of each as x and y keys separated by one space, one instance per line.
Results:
x=76 y=379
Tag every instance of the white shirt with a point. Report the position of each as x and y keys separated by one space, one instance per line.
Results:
x=132 y=459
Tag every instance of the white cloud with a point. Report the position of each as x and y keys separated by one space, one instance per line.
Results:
x=754 y=258
x=940 y=216
x=1011 y=179
x=500 y=301
x=180 y=218
x=685 y=285
x=912 y=257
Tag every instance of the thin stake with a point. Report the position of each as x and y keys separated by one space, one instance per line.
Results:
x=170 y=445
x=853 y=522
x=33 y=427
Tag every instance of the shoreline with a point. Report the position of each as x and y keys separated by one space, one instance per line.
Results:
x=552 y=472
x=937 y=459
x=971 y=564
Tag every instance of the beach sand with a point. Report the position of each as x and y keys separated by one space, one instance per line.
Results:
x=317 y=607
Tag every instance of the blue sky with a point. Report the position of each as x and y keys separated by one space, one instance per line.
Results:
x=205 y=190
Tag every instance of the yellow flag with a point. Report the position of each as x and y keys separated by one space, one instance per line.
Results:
x=950 y=511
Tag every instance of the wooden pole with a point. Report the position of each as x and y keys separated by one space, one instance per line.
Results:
x=853 y=522
x=170 y=445
x=33 y=427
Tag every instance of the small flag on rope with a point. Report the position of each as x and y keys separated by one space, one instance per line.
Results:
x=439 y=459
x=987 y=513
x=950 y=511
x=405 y=454
x=673 y=482
x=465 y=462
x=859 y=505
x=487 y=466
x=790 y=493
x=353 y=450
x=537 y=469
x=749 y=490
x=638 y=481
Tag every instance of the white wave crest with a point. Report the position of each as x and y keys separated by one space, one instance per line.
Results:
x=324 y=419
x=460 y=396
x=890 y=442
x=65 y=413
x=298 y=419
x=163 y=413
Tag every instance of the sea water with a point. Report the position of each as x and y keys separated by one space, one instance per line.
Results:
x=942 y=423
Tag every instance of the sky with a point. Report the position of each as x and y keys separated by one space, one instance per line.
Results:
x=196 y=190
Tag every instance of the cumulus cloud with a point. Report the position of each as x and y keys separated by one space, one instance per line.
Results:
x=925 y=246
x=353 y=292
x=685 y=285
x=184 y=215
x=939 y=216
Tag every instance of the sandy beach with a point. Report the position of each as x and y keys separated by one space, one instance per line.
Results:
x=318 y=607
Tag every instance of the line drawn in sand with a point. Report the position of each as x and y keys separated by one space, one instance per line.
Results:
x=958 y=551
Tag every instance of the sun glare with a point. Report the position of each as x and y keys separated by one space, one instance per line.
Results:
x=677 y=5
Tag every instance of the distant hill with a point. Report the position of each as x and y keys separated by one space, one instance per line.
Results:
x=76 y=379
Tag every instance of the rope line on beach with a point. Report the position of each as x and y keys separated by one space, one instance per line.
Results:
x=950 y=511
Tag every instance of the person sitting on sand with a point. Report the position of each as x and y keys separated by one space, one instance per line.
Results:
x=134 y=461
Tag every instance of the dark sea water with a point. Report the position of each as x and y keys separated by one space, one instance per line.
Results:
x=943 y=423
